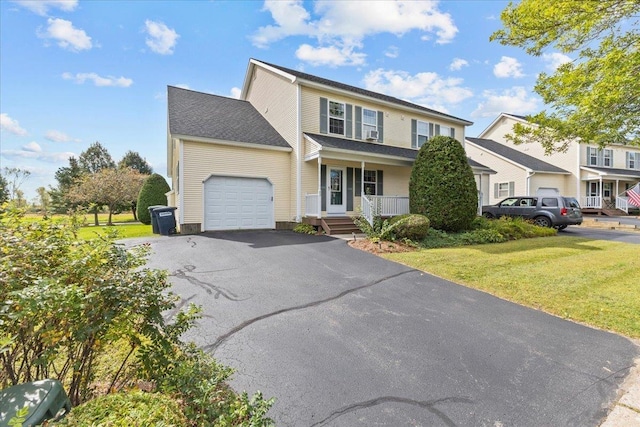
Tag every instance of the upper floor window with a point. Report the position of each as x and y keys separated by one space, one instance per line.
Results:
x=633 y=160
x=423 y=132
x=369 y=123
x=446 y=130
x=336 y=117
x=599 y=157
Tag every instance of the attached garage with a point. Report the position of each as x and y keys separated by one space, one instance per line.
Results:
x=238 y=203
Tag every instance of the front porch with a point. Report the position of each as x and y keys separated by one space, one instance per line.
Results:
x=606 y=191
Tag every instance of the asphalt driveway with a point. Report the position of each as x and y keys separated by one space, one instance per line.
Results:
x=344 y=338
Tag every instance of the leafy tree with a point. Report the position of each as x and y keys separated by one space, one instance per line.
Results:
x=4 y=189
x=134 y=161
x=110 y=187
x=66 y=177
x=152 y=193
x=95 y=158
x=44 y=199
x=14 y=178
x=442 y=186
x=595 y=97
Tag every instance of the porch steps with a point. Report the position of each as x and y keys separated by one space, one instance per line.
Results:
x=338 y=225
x=604 y=212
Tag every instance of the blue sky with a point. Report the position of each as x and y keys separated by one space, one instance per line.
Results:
x=75 y=72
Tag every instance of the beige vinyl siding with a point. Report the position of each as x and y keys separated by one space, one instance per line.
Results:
x=619 y=154
x=396 y=125
x=204 y=159
x=507 y=171
x=548 y=180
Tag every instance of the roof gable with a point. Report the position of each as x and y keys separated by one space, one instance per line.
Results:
x=358 y=91
x=515 y=156
x=202 y=115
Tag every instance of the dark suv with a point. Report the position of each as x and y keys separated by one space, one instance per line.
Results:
x=545 y=211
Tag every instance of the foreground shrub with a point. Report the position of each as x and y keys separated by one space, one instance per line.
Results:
x=152 y=193
x=410 y=226
x=134 y=408
x=304 y=228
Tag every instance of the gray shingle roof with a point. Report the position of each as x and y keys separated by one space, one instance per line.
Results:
x=373 y=148
x=198 y=114
x=612 y=171
x=516 y=156
x=360 y=91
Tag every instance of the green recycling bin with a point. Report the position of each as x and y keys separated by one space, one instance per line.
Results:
x=154 y=218
x=166 y=219
x=46 y=399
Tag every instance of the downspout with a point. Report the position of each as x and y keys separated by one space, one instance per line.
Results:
x=529 y=175
x=181 y=183
x=298 y=155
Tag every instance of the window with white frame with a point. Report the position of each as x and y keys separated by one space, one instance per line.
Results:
x=633 y=160
x=607 y=160
x=370 y=182
x=599 y=157
x=369 y=122
x=445 y=130
x=503 y=189
x=336 y=117
x=592 y=156
x=422 y=131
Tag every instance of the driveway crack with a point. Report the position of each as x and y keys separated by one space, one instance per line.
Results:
x=210 y=288
x=429 y=405
x=222 y=338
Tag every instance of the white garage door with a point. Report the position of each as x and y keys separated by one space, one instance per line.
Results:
x=234 y=203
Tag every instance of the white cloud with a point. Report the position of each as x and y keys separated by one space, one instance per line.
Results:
x=236 y=92
x=57 y=136
x=338 y=33
x=32 y=147
x=25 y=153
x=97 y=80
x=515 y=100
x=11 y=125
x=427 y=89
x=508 y=67
x=555 y=59
x=332 y=56
x=457 y=64
x=41 y=7
x=392 y=52
x=67 y=36
x=162 y=39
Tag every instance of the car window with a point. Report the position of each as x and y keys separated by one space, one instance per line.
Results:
x=571 y=202
x=509 y=202
x=527 y=202
x=550 y=202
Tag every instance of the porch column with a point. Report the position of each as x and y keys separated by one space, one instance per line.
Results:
x=361 y=183
x=319 y=186
x=601 y=194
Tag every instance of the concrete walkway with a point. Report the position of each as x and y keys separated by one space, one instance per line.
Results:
x=621 y=223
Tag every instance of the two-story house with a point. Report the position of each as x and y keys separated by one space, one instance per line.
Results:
x=295 y=147
x=597 y=177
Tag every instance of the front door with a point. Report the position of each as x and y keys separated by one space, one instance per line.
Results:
x=336 y=191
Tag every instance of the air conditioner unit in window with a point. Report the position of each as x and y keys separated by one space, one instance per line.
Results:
x=372 y=135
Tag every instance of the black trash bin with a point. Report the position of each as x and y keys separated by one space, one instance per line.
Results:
x=154 y=218
x=166 y=219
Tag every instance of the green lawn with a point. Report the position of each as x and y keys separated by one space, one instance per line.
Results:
x=124 y=231
x=88 y=217
x=591 y=281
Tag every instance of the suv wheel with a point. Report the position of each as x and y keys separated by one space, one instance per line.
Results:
x=542 y=221
x=487 y=215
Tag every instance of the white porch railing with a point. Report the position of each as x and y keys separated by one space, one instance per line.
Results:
x=384 y=206
x=312 y=205
x=622 y=203
x=593 y=202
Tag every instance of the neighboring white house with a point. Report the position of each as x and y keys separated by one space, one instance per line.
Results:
x=295 y=147
x=597 y=177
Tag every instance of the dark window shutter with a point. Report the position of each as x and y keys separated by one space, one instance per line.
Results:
x=358 y=121
x=324 y=108
x=358 y=182
x=453 y=132
x=323 y=187
x=437 y=130
x=512 y=186
x=414 y=133
x=380 y=126
x=379 y=186
x=496 y=190
x=349 y=189
x=348 y=132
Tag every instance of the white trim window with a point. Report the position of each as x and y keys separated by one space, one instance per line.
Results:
x=369 y=122
x=445 y=130
x=607 y=158
x=599 y=157
x=423 y=132
x=503 y=189
x=336 y=117
x=370 y=182
x=633 y=160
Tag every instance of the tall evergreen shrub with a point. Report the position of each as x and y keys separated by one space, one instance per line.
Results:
x=152 y=193
x=442 y=186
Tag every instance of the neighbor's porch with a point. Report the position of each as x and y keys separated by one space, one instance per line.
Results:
x=606 y=196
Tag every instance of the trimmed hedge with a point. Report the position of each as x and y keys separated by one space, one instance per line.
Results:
x=442 y=186
x=152 y=193
x=410 y=226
